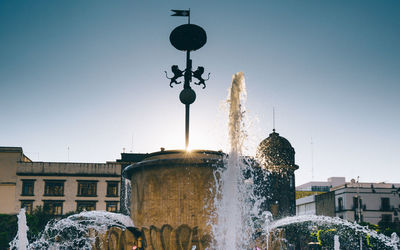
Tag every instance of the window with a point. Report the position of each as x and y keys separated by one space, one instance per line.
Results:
x=340 y=203
x=112 y=188
x=112 y=206
x=28 y=187
x=54 y=187
x=85 y=206
x=53 y=207
x=87 y=188
x=356 y=217
x=355 y=205
x=386 y=218
x=385 y=204
x=320 y=188
x=28 y=205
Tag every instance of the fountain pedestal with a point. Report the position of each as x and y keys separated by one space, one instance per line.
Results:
x=172 y=196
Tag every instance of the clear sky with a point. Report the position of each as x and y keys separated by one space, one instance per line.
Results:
x=89 y=75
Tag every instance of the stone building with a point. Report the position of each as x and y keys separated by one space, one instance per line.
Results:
x=361 y=202
x=59 y=187
x=276 y=156
x=369 y=202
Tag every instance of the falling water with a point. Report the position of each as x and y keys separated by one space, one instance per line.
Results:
x=232 y=227
x=126 y=209
x=20 y=241
x=336 y=243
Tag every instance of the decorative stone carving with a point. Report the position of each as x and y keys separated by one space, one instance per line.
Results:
x=184 y=237
x=166 y=238
x=155 y=237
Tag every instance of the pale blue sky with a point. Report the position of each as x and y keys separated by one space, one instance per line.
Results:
x=89 y=75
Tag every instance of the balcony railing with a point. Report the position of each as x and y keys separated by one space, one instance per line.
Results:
x=60 y=168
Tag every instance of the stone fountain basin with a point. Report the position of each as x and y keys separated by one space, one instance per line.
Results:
x=174 y=188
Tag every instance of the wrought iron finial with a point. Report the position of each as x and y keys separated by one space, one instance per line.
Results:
x=187 y=37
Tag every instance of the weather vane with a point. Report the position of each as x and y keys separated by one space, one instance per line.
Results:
x=187 y=37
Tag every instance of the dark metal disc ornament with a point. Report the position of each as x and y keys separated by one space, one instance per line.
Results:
x=187 y=96
x=188 y=37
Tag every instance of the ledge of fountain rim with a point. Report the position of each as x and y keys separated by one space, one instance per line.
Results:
x=198 y=158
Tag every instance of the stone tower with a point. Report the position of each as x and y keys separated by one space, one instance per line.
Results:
x=276 y=156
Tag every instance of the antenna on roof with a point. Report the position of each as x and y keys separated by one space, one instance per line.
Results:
x=273 y=119
x=68 y=153
x=312 y=159
x=132 y=144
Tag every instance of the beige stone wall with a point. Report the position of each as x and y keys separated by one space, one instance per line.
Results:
x=174 y=191
x=9 y=156
x=7 y=198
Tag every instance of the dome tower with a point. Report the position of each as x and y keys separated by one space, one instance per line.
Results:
x=276 y=157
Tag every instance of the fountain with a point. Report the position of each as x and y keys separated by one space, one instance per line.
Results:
x=197 y=199
x=203 y=199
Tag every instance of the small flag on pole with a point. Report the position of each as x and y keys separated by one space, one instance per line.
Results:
x=181 y=13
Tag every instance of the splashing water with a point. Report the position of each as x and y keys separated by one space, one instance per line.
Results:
x=75 y=231
x=21 y=239
x=392 y=242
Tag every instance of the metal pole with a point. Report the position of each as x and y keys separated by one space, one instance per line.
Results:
x=187 y=107
x=188 y=79
x=359 y=208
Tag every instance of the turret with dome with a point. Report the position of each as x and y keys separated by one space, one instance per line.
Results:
x=276 y=151
x=277 y=157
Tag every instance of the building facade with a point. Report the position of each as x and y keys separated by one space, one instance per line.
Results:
x=58 y=187
x=369 y=202
x=360 y=202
